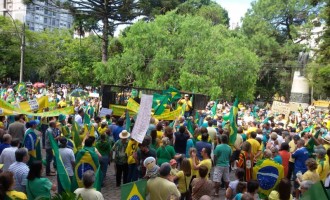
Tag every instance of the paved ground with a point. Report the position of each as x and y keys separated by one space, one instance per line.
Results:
x=111 y=192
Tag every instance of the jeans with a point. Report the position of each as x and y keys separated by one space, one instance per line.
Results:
x=104 y=166
x=49 y=158
x=133 y=173
x=122 y=171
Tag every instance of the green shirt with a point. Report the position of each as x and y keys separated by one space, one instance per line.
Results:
x=165 y=154
x=103 y=147
x=39 y=187
x=222 y=154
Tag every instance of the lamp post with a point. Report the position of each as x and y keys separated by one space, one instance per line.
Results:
x=22 y=39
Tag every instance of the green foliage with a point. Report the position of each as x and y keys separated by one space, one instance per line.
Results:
x=320 y=76
x=188 y=52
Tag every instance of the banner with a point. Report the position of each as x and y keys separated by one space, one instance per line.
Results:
x=132 y=105
x=8 y=109
x=144 y=115
x=35 y=104
x=169 y=115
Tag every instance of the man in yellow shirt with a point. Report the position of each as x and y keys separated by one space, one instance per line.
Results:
x=255 y=146
x=62 y=103
x=207 y=162
x=131 y=149
x=322 y=165
x=187 y=104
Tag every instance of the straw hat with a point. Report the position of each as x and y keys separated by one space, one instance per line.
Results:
x=124 y=134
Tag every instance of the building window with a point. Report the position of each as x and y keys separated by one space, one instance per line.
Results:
x=45 y=20
x=37 y=8
x=53 y=22
x=46 y=11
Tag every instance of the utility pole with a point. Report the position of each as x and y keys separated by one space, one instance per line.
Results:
x=22 y=54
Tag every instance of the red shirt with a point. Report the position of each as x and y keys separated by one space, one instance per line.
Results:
x=285 y=155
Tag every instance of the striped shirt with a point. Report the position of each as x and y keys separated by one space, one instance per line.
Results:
x=20 y=171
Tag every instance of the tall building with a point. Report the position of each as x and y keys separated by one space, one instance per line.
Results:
x=38 y=16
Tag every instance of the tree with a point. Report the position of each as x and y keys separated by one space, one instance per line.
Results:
x=276 y=29
x=187 y=52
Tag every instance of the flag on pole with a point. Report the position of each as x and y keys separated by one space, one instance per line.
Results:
x=135 y=190
x=61 y=171
x=159 y=103
x=233 y=122
x=214 y=108
x=172 y=93
x=32 y=143
x=75 y=129
x=190 y=126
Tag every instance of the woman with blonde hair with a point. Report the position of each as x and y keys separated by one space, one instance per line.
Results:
x=184 y=177
x=194 y=172
x=246 y=161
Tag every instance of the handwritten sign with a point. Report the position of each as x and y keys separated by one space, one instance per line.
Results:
x=34 y=105
x=142 y=121
x=281 y=108
x=105 y=111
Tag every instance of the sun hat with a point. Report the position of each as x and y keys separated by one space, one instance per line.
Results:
x=124 y=134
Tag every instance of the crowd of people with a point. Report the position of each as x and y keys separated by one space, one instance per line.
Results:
x=185 y=159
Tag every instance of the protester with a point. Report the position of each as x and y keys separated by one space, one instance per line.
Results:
x=6 y=187
x=142 y=153
x=285 y=157
x=121 y=158
x=68 y=160
x=20 y=169
x=231 y=190
x=131 y=149
x=17 y=129
x=206 y=161
x=50 y=132
x=6 y=142
x=88 y=192
x=184 y=178
x=38 y=187
x=32 y=141
x=201 y=185
x=7 y=156
x=161 y=188
x=104 y=147
x=245 y=161
x=166 y=152
x=283 y=191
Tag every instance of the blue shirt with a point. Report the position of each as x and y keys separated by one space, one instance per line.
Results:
x=116 y=132
x=300 y=156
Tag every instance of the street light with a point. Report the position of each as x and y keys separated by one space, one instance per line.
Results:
x=22 y=38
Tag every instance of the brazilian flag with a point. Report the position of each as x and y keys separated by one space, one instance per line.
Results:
x=172 y=93
x=317 y=191
x=21 y=89
x=61 y=171
x=135 y=190
x=233 y=122
x=268 y=173
x=32 y=143
x=86 y=159
x=87 y=119
x=159 y=103
x=75 y=129
x=190 y=126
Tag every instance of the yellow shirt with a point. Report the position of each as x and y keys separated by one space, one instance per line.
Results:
x=16 y=195
x=159 y=134
x=131 y=148
x=255 y=146
x=183 y=181
x=1 y=125
x=207 y=163
x=323 y=169
x=310 y=176
x=102 y=130
x=274 y=195
x=250 y=130
x=188 y=104
x=194 y=172
x=62 y=104
x=292 y=146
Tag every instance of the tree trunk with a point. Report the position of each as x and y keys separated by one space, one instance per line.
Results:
x=105 y=39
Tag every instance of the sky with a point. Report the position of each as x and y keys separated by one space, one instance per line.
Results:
x=236 y=9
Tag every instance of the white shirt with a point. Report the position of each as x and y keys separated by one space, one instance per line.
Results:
x=7 y=157
x=67 y=158
x=79 y=120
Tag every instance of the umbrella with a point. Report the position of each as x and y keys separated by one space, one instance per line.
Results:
x=38 y=85
x=78 y=93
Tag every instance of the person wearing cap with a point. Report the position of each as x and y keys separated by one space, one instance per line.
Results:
x=119 y=148
x=161 y=188
x=32 y=142
x=186 y=103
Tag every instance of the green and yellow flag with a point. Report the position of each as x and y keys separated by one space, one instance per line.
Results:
x=21 y=89
x=61 y=171
x=159 y=103
x=233 y=122
x=32 y=143
x=75 y=129
x=86 y=159
x=172 y=93
x=134 y=191
x=317 y=191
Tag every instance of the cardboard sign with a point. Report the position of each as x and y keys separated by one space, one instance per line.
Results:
x=105 y=111
x=33 y=105
x=142 y=121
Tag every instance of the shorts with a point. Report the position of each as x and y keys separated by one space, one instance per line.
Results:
x=219 y=173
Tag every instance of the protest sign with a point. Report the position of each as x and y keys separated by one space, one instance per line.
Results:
x=105 y=111
x=281 y=108
x=141 y=125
